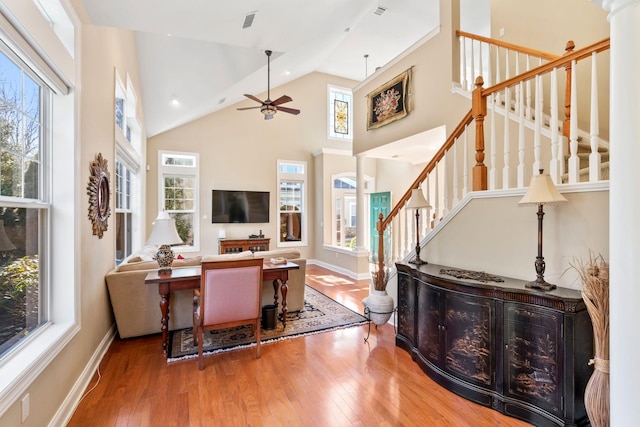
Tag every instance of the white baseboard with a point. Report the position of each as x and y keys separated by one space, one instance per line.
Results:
x=65 y=411
x=339 y=270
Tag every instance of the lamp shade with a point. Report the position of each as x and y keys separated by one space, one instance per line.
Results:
x=417 y=200
x=164 y=231
x=542 y=191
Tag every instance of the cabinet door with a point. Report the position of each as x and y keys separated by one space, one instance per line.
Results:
x=406 y=308
x=533 y=359
x=429 y=322
x=469 y=337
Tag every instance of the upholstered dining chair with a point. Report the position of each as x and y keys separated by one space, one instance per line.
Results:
x=230 y=295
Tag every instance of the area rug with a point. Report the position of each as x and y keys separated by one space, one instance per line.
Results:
x=320 y=314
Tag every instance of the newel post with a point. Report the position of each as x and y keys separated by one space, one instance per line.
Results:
x=380 y=229
x=479 y=111
x=566 y=124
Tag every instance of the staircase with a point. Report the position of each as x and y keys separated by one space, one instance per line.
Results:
x=584 y=151
x=530 y=120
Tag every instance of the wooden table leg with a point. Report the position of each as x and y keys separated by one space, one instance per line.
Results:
x=284 y=288
x=165 y=295
x=275 y=292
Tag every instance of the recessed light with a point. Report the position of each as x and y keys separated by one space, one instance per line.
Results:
x=175 y=102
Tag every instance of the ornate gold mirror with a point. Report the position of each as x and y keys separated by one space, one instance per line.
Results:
x=99 y=193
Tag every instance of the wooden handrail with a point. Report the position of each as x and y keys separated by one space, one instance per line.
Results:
x=510 y=46
x=557 y=63
x=468 y=118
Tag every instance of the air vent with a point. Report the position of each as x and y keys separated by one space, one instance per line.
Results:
x=380 y=10
x=248 y=19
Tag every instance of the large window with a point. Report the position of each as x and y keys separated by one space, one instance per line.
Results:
x=124 y=212
x=292 y=184
x=128 y=190
x=24 y=200
x=344 y=211
x=178 y=189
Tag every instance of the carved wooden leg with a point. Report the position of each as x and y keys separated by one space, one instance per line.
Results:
x=284 y=289
x=164 y=308
x=275 y=292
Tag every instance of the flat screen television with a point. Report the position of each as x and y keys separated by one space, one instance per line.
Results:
x=239 y=206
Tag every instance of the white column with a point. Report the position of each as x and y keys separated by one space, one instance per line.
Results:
x=624 y=204
x=360 y=205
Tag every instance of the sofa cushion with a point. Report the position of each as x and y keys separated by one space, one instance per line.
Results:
x=226 y=257
x=152 y=265
x=278 y=253
x=138 y=265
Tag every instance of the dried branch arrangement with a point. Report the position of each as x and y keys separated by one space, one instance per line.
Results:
x=380 y=274
x=595 y=293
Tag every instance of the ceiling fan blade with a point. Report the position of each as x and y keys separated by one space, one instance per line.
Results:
x=249 y=108
x=289 y=110
x=253 y=97
x=282 y=100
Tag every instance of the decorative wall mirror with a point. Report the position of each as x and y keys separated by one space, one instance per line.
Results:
x=99 y=193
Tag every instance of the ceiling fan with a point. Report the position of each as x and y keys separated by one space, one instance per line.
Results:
x=269 y=107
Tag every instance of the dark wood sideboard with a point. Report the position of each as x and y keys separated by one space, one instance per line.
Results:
x=519 y=351
x=226 y=246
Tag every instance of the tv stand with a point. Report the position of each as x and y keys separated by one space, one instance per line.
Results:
x=228 y=246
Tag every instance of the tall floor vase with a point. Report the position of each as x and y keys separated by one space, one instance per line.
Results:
x=595 y=294
x=596 y=395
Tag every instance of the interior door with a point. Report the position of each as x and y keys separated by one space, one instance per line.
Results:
x=378 y=203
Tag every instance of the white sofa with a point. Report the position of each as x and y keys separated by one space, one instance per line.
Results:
x=136 y=306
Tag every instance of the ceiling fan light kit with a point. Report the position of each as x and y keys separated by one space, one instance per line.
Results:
x=268 y=107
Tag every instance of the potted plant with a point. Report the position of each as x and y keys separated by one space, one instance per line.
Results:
x=379 y=305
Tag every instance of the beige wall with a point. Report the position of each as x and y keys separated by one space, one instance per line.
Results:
x=498 y=236
x=239 y=150
x=431 y=100
x=102 y=51
x=581 y=21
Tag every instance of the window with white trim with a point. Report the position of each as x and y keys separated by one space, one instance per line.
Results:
x=343 y=222
x=178 y=182
x=128 y=190
x=292 y=188
x=340 y=117
x=24 y=200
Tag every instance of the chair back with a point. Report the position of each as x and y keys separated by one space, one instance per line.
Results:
x=230 y=291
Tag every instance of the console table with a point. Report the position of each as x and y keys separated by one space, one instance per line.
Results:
x=226 y=246
x=519 y=351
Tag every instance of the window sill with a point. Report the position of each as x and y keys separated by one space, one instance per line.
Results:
x=24 y=364
x=354 y=252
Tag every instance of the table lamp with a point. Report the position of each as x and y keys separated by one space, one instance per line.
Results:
x=417 y=202
x=541 y=191
x=164 y=234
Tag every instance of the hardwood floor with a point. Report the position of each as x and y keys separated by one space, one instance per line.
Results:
x=327 y=379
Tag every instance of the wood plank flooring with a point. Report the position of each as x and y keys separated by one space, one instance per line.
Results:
x=327 y=379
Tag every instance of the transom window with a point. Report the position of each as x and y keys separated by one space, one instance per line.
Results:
x=340 y=114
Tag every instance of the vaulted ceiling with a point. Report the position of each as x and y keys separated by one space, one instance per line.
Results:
x=195 y=57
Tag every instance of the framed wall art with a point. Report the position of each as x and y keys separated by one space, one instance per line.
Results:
x=388 y=102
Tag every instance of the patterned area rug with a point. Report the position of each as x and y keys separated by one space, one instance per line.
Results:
x=320 y=314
